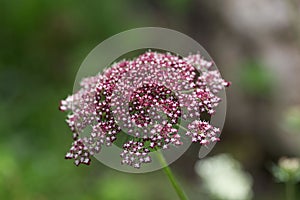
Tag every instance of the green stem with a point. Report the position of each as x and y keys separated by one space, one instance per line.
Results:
x=171 y=177
x=187 y=91
x=182 y=127
x=290 y=190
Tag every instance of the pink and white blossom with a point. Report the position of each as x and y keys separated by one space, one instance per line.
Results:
x=146 y=99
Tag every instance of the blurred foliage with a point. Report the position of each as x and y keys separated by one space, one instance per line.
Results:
x=177 y=5
x=291 y=119
x=255 y=79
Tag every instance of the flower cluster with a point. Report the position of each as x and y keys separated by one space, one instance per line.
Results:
x=146 y=99
x=203 y=132
x=287 y=170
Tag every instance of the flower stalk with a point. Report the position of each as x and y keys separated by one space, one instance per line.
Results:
x=167 y=170
x=290 y=190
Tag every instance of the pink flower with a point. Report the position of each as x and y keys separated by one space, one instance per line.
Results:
x=146 y=98
x=203 y=132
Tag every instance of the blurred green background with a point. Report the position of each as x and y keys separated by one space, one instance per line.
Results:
x=255 y=43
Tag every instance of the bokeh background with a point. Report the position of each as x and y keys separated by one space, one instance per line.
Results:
x=255 y=43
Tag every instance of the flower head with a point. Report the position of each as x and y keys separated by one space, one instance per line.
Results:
x=145 y=99
x=287 y=170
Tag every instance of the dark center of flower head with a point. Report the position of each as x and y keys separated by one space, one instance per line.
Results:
x=150 y=96
x=139 y=105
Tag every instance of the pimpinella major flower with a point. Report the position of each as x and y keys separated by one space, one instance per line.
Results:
x=147 y=101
